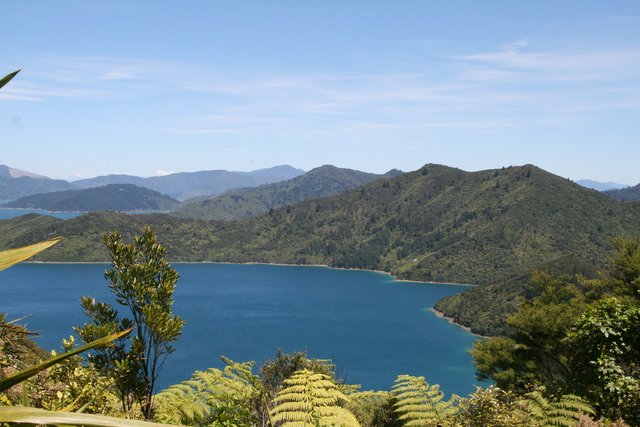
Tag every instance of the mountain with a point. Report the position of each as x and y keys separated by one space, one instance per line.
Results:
x=101 y=181
x=114 y=197
x=186 y=185
x=8 y=172
x=16 y=183
x=246 y=202
x=490 y=228
x=625 y=194
x=600 y=186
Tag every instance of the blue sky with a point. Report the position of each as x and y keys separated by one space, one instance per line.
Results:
x=142 y=87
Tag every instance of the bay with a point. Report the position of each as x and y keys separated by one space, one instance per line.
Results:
x=8 y=213
x=371 y=326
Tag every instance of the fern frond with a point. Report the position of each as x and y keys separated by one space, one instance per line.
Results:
x=419 y=403
x=310 y=399
x=196 y=400
x=564 y=412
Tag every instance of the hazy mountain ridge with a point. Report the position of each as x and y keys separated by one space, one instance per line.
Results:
x=600 y=186
x=16 y=183
x=246 y=202
x=491 y=228
x=628 y=194
x=186 y=185
x=9 y=172
x=114 y=197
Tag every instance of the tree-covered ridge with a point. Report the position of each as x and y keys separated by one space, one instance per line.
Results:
x=247 y=202
x=114 y=197
x=625 y=194
x=492 y=228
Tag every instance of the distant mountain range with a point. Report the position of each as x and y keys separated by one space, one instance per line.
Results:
x=628 y=194
x=15 y=183
x=491 y=228
x=113 y=197
x=246 y=202
x=600 y=186
x=186 y=185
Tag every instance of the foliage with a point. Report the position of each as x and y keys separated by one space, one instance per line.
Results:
x=490 y=407
x=274 y=372
x=606 y=346
x=73 y=386
x=628 y=194
x=373 y=408
x=144 y=282
x=540 y=412
x=6 y=79
x=14 y=256
x=576 y=336
x=33 y=416
x=212 y=397
x=421 y=404
x=625 y=271
x=26 y=415
x=310 y=399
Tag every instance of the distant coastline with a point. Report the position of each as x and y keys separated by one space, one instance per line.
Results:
x=453 y=322
x=425 y=282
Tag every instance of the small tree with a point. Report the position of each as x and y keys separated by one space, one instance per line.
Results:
x=143 y=281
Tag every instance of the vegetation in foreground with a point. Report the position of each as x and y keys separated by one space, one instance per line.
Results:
x=574 y=355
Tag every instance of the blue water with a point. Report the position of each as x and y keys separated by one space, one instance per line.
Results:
x=7 y=213
x=372 y=327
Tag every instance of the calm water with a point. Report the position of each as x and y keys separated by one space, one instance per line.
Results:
x=6 y=213
x=371 y=326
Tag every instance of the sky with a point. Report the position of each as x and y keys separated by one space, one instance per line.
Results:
x=154 y=87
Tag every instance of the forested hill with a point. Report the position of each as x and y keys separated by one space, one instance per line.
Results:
x=114 y=197
x=246 y=202
x=625 y=194
x=437 y=223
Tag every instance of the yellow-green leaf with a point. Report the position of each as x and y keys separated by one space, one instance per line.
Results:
x=18 y=414
x=16 y=378
x=14 y=256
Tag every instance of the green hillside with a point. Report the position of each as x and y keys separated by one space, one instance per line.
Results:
x=246 y=202
x=625 y=194
x=115 y=197
x=491 y=228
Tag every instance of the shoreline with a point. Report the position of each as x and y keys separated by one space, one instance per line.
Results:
x=451 y=320
x=433 y=310
x=280 y=264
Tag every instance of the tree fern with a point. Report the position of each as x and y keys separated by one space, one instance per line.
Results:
x=210 y=395
x=311 y=399
x=421 y=404
x=543 y=413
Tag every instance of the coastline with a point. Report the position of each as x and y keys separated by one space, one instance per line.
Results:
x=280 y=264
x=433 y=310
x=451 y=320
